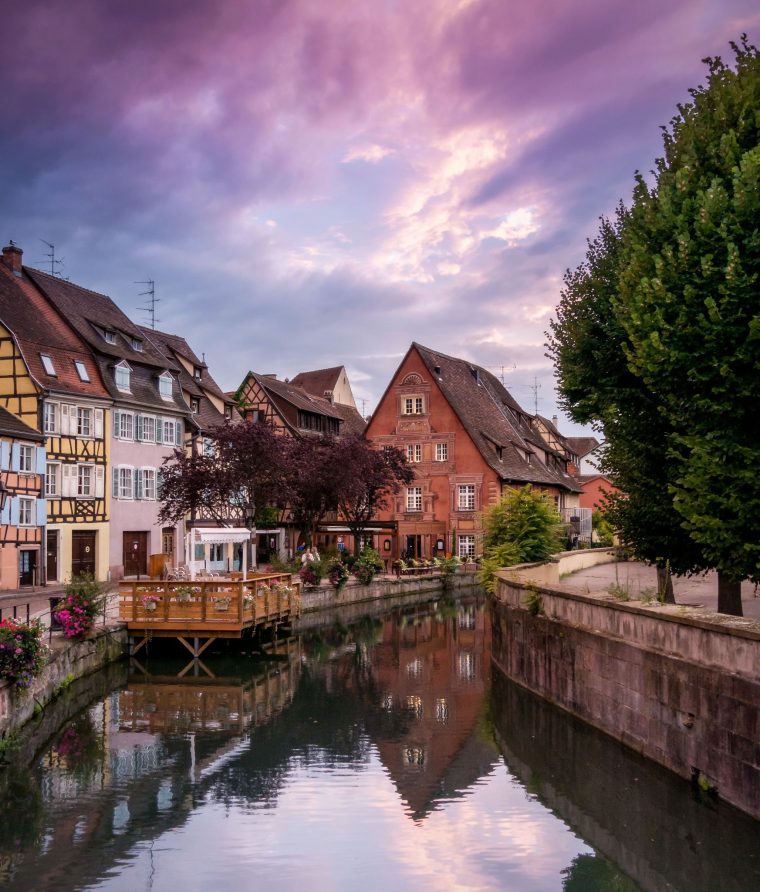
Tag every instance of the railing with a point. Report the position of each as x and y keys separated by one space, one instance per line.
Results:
x=232 y=602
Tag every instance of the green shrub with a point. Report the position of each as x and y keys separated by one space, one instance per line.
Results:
x=22 y=651
x=367 y=566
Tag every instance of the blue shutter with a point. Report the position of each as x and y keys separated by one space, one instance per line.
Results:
x=15 y=457
x=5 y=514
x=5 y=455
x=41 y=459
x=116 y=423
x=41 y=512
x=138 y=427
x=179 y=432
x=115 y=483
x=159 y=429
x=137 y=480
x=14 y=511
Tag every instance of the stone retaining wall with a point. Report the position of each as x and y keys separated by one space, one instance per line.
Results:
x=68 y=660
x=679 y=689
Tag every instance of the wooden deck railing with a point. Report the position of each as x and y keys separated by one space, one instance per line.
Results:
x=219 y=602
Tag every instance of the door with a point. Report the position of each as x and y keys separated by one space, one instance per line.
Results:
x=82 y=553
x=52 y=555
x=413 y=549
x=136 y=554
x=27 y=567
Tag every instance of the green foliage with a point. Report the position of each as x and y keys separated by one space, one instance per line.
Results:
x=448 y=567
x=533 y=601
x=367 y=566
x=23 y=653
x=521 y=528
x=602 y=527
x=83 y=601
x=337 y=573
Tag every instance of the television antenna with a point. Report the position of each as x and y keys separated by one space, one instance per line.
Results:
x=152 y=301
x=55 y=262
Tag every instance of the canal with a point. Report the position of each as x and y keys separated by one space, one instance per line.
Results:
x=385 y=754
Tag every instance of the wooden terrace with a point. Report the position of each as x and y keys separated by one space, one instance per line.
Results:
x=191 y=610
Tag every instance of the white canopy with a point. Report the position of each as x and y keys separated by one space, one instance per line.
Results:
x=215 y=536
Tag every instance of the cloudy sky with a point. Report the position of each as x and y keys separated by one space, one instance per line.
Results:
x=316 y=183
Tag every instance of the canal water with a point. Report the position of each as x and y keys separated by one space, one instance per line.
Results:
x=384 y=755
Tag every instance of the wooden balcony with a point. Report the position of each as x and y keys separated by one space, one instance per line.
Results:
x=208 y=609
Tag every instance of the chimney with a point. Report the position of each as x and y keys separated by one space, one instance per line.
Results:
x=554 y=420
x=12 y=258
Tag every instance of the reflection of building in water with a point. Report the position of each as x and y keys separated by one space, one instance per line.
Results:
x=130 y=768
x=429 y=676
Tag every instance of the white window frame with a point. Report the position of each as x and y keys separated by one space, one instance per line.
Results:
x=466 y=497
x=85 y=474
x=47 y=364
x=126 y=429
x=148 y=483
x=195 y=405
x=414 y=453
x=84 y=412
x=81 y=368
x=26 y=459
x=163 y=379
x=26 y=512
x=50 y=418
x=52 y=480
x=441 y=451
x=148 y=437
x=109 y=336
x=123 y=369
x=466 y=546
x=414 y=498
x=137 y=345
x=413 y=405
x=126 y=487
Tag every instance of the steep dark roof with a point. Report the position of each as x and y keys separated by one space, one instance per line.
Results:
x=318 y=381
x=279 y=390
x=581 y=446
x=493 y=419
x=10 y=426
x=353 y=423
x=39 y=328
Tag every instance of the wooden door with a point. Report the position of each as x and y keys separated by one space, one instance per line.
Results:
x=52 y=555
x=83 y=552
x=136 y=553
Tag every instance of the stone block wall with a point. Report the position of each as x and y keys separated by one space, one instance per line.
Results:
x=676 y=689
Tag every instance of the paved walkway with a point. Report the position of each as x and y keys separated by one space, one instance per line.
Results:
x=638 y=579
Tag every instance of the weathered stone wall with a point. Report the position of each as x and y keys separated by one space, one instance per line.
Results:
x=68 y=660
x=678 y=689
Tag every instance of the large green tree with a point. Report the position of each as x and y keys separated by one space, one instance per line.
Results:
x=689 y=302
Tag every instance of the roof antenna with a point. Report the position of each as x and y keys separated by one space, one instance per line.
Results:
x=55 y=263
x=535 y=387
x=152 y=301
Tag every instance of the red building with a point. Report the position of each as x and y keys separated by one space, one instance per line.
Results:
x=468 y=441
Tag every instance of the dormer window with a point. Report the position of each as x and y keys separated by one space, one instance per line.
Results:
x=195 y=405
x=122 y=374
x=197 y=372
x=137 y=345
x=81 y=368
x=165 y=385
x=47 y=364
x=109 y=336
x=228 y=412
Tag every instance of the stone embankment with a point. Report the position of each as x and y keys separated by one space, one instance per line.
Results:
x=679 y=686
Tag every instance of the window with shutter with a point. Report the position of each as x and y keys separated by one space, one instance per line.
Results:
x=139 y=423
x=99 y=424
x=5 y=455
x=138 y=484
x=100 y=473
x=66 y=418
x=115 y=483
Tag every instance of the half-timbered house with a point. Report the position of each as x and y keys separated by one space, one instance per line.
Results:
x=49 y=380
x=23 y=509
x=148 y=420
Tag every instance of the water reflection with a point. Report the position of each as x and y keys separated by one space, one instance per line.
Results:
x=378 y=754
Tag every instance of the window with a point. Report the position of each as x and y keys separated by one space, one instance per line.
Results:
x=216 y=553
x=414 y=452
x=53 y=479
x=125 y=426
x=26 y=512
x=414 y=498
x=26 y=459
x=148 y=432
x=47 y=364
x=441 y=451
x=84 y=481
x=195 y=405
x=171 y=436
x=124 y=483
x=81 y=368
x=413 y=405
x=136 y=345
x=165 y=386
x=122 y=374
x=84 y=422
x=466 y=500
x=196 y=373
x=149 y=483
x=466 y=548
x=50 y=414
x=208 y=447
x=109 y=337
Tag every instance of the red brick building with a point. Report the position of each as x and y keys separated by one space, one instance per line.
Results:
x=468 y=440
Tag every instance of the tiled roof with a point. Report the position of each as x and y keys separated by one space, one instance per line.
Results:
x=581 y=446
x=38 y=328
x=318 y=381
x=493 y=419
x=279 y=390
x=353 y=423
x=10 y=426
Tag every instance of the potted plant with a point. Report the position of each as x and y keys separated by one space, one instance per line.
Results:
x=183 y=593
x=337 y=573
x=150 y=602
x=222 y=603
x=82 y=602
x=22 y=651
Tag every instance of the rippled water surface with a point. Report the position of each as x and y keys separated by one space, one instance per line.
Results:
x=377 y=756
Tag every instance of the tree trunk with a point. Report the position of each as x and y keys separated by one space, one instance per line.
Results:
x=665 y=586
x=729 y=595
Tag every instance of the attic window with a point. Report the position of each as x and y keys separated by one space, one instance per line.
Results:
x=137 y=345
x=81 y=368
x=165 y=385
x=47 y=364
x=195 y=405
x=197 y=372
x=109 y=337
x=122 y=374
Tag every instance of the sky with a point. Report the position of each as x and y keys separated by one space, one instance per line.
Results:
x=316 y=183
